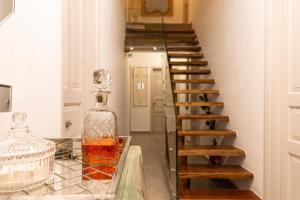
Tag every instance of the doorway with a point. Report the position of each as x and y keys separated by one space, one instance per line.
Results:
x=157 y=98
x=148 y=121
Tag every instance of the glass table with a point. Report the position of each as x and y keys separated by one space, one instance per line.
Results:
x=75 y=180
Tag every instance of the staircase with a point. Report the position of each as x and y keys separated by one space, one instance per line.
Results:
x=193 y=88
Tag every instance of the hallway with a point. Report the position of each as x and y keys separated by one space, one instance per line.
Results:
x=155 y=164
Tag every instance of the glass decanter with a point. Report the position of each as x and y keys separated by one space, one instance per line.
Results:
x=100 y=141
x=25 y=161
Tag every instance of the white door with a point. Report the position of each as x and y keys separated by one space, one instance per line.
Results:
x=74 y=30
x=291 y=103
x=157 y=101
x=283 y=101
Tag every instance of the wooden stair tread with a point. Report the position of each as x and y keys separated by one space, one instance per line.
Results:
x=181 y=36
x=191 y=71
x=159 y=39
x=214 y=133
x=203 y=117
x=133 y=30
x=159 y=42
x=185 y=48
x=190 y=63
x=161 y=36
x=199 y=81
x=167 y=25
x=197 y=91
x=179 y=41
x=186 y=55
x=215 y=172
x=195 y=194
x=202 y=104
x=141 y=48
x=209 y=151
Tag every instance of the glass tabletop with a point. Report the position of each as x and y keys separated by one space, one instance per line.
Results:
x=75 y=178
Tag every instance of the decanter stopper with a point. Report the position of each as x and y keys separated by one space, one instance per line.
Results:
x=19 y=119
x=102 y=79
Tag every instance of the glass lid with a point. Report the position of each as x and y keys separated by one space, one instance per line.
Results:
x=21 y=144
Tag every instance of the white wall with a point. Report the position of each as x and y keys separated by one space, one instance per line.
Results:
x=30 y=61
x=92 y=48
x=113 y=58
x=232 y=34
x=140 y=116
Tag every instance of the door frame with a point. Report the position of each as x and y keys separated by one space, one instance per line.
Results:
x=273 y=97
x=151 y=97
x=274 y=144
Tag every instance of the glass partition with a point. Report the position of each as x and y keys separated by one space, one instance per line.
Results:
x=171 y=127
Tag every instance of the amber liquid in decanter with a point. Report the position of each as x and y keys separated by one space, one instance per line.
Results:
x=100 y=151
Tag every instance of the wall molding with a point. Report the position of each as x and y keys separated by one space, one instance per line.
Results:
x=273 y=99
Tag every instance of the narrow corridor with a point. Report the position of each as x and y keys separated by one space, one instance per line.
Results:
x=155 y=164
